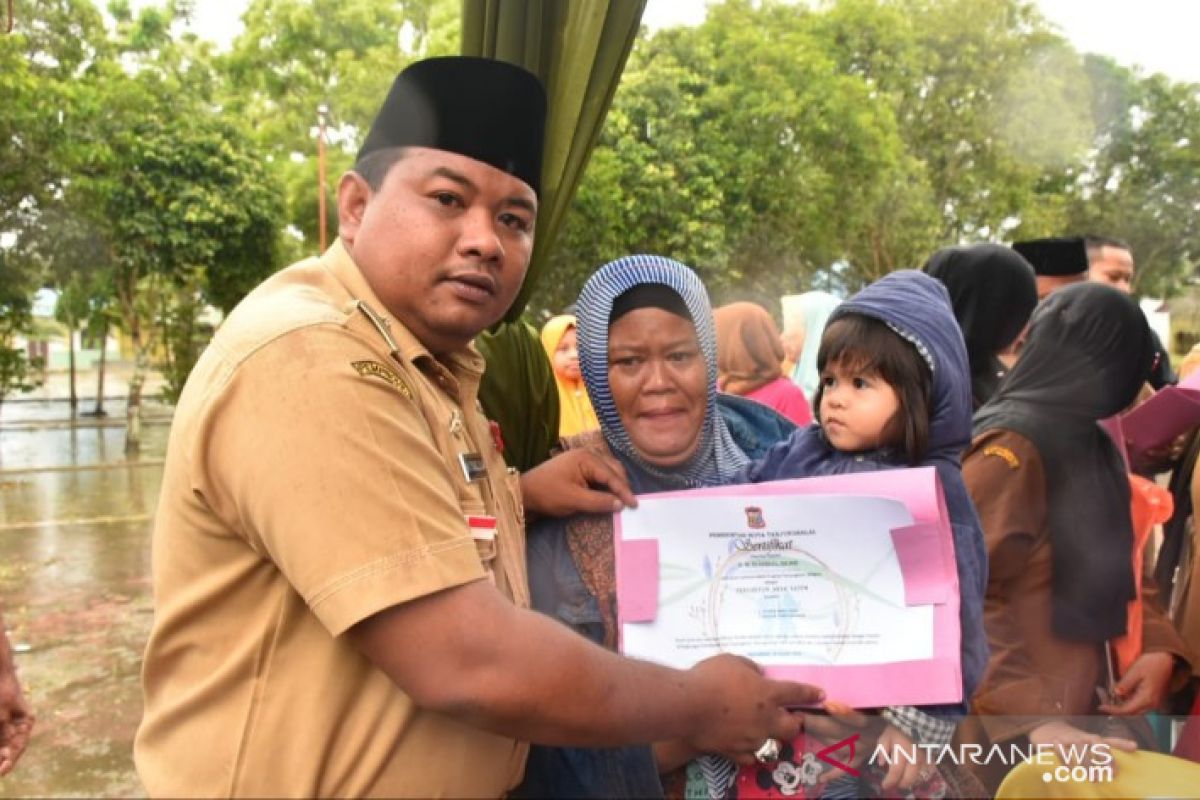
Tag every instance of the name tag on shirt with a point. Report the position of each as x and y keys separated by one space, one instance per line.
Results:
x=472 y=466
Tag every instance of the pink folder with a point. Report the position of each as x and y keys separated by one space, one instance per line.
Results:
x=926 y=553
x=1171 y=411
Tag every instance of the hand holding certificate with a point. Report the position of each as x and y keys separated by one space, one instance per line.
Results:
x=1153 y=424
x=846 y=591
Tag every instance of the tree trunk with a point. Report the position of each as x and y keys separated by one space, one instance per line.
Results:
x=71 y=361
x=133 y=407
x=99 y=411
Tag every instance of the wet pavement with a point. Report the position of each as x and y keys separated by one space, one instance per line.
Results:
x=75 y=519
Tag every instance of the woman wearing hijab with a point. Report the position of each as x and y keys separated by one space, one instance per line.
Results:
x=749 y=352
x=809 y=311
x=575 y=414
x=993 y=290
x=1054 y=499
x=648 y=352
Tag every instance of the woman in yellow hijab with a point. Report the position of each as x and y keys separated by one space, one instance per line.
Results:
x=575 y=409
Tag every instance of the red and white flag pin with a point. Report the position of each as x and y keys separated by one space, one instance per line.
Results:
x=482 y=527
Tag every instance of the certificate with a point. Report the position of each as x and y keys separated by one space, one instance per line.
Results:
x=809 y=586
x=1171 y=411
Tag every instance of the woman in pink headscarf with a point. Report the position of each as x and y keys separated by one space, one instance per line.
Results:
x=749 y=359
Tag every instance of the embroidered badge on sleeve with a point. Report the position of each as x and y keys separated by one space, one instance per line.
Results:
x=1000 y=451
x=376 y=370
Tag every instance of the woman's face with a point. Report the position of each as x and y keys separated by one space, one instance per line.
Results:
x=566 y=356
x=659 y=383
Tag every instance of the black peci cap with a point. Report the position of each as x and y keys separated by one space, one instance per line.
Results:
x=488 y=110
x=1063 y=255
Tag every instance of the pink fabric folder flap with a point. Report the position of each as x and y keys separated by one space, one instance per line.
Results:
x=917 y=487
x=1171 y=411
x=927 y=576
x=900 y=683
x=637 y=579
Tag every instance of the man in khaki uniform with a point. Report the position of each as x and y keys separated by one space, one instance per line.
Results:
x=340 y=590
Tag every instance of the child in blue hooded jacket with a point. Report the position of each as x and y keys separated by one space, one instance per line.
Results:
x=895 y=391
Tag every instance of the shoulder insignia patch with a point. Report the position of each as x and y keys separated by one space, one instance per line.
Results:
x=377 y=370
x=1000 y=451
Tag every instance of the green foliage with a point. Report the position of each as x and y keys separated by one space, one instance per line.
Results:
x=1144 y=186
x=776 y=147
x=17 y=373
x=184 y=336
x=135 y=190
x=295 y=55
x=781 y=146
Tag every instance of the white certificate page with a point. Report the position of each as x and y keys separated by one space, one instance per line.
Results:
x=784 y=580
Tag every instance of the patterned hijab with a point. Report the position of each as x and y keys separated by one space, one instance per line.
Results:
x=717 y=457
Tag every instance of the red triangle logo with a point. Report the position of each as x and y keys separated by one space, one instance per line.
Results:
x=825 y=756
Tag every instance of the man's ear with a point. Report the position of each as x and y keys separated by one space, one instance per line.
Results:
x=353 y=194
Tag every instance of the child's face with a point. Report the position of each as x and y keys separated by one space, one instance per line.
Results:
x=857 y=407
x=566 y=356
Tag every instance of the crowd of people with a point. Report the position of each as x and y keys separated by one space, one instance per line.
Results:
x=356 y=595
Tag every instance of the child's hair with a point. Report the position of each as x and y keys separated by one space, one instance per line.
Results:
x=868 y=344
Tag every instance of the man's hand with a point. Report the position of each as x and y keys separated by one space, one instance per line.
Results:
x=577 y=481
x=16 y=718
x=738 y=708
x=1072 y=743
x=1144 y=685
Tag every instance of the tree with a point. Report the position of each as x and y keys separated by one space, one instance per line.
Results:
x=741 y=148
x=17 y=373
x=184 y=197
x=1144 y=184
x=297 y=54
x=70 y=251
x=53 y=41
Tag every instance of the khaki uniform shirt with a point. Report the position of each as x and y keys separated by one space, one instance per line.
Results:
x=313 y=479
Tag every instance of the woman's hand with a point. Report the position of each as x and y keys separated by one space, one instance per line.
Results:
x=905 y=770
x=1144 y=685
x=1075 y=744
x=841 y=722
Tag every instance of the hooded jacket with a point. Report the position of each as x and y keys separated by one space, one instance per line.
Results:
x=918 y=307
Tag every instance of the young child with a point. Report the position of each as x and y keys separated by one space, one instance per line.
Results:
x=895 y=391
x=575 y=414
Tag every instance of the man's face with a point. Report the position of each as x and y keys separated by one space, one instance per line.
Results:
x=444 y=243
x=1048 y=283
x=1114 y=266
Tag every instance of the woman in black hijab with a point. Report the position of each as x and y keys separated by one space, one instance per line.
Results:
x=1054 y=500
x=993 y=290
